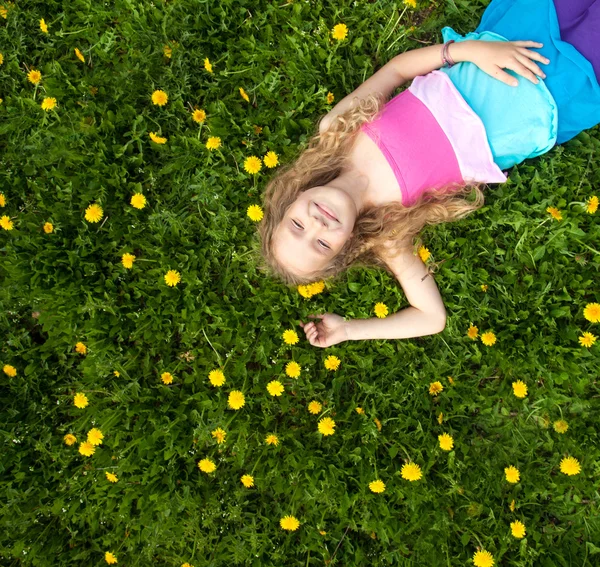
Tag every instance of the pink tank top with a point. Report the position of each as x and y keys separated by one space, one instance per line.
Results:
x=431 y=137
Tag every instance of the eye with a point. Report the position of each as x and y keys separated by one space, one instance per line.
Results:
x=296 y=224
x=323 y=245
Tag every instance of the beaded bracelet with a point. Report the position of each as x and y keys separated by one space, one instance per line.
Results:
x=446 y=59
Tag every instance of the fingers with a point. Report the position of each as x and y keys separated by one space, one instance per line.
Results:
x=522 y=66
x=534 y=55
x=527 y=43
x=505 y=77
x=531 y=66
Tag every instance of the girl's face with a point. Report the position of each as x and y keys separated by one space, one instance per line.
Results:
x=314 y=229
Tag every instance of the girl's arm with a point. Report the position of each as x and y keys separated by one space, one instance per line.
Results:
x=490 y=56
x=425 y=316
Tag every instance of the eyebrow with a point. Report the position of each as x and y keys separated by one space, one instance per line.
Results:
x=296 y=235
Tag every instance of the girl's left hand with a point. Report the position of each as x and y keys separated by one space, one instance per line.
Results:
x=494 y=56
x=330 y=330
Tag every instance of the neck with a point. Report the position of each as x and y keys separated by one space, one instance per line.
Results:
x=355 y=185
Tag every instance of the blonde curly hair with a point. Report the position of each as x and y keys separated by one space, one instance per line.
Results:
x=393 y=226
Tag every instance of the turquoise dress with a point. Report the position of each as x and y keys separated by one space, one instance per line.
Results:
x=528 y=120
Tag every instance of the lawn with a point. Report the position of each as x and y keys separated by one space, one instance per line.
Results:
x=150 y=413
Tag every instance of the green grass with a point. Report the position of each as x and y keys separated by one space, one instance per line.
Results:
x=57 y=507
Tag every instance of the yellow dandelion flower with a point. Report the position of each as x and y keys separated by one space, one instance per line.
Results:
x=247 y=480
x=271 y=159
x=411 y=3
x=43 y=26
x=138 y=200
x=95 y=436
x=272 y=440
x=219 y=434
x=360 y=411
x=592 y=312
x=167 y=51
x=216 y=377
x=81 y=348
x=512 y=505
x=326 y=426
x=275 y=388
x=34 y=76
x=48 y=103
x=377 y=423
x=435 y=388
x=1 y=58
x=172 y=278
x=289 y=523
x=592 y=205
x=9 y=370
x=236 y=400
x=213 y=143
x=157 y=139
x=255 y=213
x=570 y=466
x=484 y=287
x=322 y=532
x=111 y=477
x=314 y=407
x=292 y=369
x=339 y=31
x=48 y=227
x=206 y=465
x=330 y=97
x=483 y=558
x=317 y=287
x=110 y=558
x=517 y=529
x=208 y=65
x=79 y=55
x=472 y=332
x=556 y=214
x=199 y=116
x=440 y=418
x=411 y=472
x=560 y=426
x=512 y=474
x=6 y=223
x=519 y=389
x=3 y=12
x=252 y=164
x=587 y=339
x=488 y=338
x=424 y=253
x=117 y=373
x=160 y=98
x=87 y=449
x=332 y=363
x=166 y=377
x=377 y=486
x=186 y=565
x=381 y=310
x=446 y=441
x=94 y=213
x=2 y=200
x=290 y=337
x=127 y=260
x=80 y=400
x=70 y=439
x=244 y=95
x=305 y=290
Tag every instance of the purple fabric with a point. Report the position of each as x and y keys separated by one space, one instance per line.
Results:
x=579 y=22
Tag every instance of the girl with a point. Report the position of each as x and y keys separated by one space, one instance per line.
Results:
x=377 y=173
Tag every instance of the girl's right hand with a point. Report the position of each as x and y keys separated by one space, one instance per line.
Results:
x=331 y=330
x=494 y=56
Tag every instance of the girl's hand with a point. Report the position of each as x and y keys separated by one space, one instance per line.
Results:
x=494 y=56
x=331 y=330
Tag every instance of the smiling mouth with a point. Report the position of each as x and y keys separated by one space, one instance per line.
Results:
x=326 y=212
